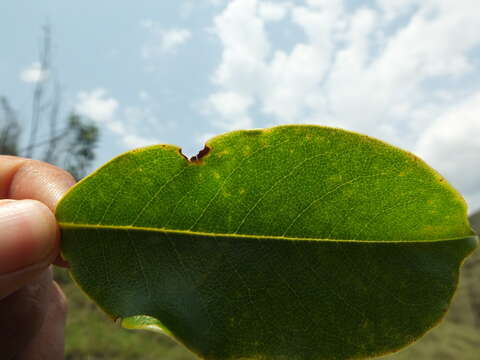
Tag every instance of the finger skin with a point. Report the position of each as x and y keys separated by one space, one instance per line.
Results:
x=22 y=178
x=9 y=283
x=30 y=179
x=22 y=315
x=32 y=317
x=29 y=234
x=48 y=342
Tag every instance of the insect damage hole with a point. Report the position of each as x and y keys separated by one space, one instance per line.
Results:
x=197 y=159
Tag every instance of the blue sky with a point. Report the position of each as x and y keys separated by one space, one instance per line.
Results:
x=405 y=71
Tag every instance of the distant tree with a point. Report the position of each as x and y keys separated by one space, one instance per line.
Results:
x=66 y=142
x=9 y=129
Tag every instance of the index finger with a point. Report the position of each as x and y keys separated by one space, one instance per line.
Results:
x=22 y=178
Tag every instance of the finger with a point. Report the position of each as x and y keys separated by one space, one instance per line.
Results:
x=22 y=315
x=48 y=343
x=22 y=178
x=30 y=179
x=28 y=242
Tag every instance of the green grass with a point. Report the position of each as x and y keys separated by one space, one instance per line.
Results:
x=91 y=335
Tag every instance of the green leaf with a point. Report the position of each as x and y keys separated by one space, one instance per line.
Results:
x=296 y=242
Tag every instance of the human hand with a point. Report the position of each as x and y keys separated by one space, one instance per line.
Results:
x=32 y=306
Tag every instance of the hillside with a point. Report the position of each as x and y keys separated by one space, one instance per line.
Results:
x=475 y=221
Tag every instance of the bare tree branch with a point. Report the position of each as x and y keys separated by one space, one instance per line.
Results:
x=66 y=141
x=39 y=89
x=53 y=119
x=56 y=138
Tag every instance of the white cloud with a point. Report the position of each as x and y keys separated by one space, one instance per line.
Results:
x=136 y=141
x=245 y=50
x=173 y=38
x=216 y=2
x=246 y=45
x=451 y=145
x=233 y=109
x=162 y=40
x=98 y=106
x=230 y=103
x=370 y=69
x=34 y=73
x=273 y=11
x=394 y=8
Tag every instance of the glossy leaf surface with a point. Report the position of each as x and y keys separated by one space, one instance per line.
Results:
x=296 y=242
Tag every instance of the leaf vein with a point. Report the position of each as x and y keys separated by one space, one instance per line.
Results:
x=296 y=167
x=228 y=177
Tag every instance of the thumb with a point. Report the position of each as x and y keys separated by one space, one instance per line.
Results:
x=28 y=242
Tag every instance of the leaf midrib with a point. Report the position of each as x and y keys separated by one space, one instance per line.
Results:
x=252 y=236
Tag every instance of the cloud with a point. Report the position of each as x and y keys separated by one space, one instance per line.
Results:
x=216 y=2
x=136 y=141
x=395 y=8
x=98 y=106
x=233 y=109
x=173 y=38
x=162 y=41
x=451 y=145
x=34 y=73
x=245 y=47
x=273 y=11
x=393 y=70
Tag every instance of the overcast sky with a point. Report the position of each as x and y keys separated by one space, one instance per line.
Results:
x=178 y=72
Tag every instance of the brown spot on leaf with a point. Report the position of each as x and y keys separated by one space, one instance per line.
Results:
x=197 y=159
x=180 y=152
